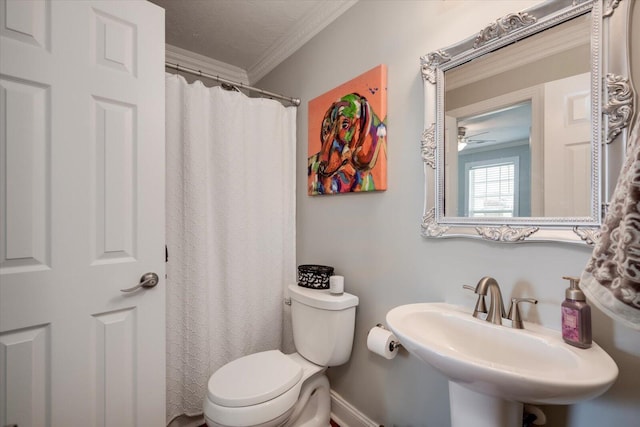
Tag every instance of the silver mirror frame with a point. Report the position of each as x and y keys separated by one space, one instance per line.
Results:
x=613 y=109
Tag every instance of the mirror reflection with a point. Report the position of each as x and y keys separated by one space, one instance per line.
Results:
x=517 y=128
x=493 y=156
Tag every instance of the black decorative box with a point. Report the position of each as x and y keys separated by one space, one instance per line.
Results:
x=314 y=276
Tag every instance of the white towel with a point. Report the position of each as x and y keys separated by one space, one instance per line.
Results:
x=611 y=279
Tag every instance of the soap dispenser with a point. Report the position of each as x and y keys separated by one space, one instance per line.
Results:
x=576 y=316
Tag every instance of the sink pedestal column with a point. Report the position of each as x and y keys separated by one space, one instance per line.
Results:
x=469 y=408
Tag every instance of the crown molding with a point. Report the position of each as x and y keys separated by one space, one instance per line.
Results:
x=187 y=58
x=311 y=24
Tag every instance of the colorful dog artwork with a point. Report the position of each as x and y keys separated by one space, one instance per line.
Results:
x=348 y=136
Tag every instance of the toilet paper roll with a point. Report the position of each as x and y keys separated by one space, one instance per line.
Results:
x=380 y=341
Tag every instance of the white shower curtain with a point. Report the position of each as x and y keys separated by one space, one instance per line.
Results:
x=230 y=231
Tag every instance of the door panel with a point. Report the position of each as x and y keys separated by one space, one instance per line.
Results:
x=115 y=190
x=81 y=213
x=115 y=367
x=567 y=147
x=25 y=354
x=24 y=108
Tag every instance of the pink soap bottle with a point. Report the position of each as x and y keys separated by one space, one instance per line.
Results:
x=576 y=316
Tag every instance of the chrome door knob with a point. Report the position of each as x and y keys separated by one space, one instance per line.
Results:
x=148 y=280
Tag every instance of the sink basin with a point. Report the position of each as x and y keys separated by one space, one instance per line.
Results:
x=531 y=365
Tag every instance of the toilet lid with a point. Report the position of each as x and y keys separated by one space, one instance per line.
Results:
x=253 y=379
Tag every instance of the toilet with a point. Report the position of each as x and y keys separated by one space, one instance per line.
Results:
x=270 y=388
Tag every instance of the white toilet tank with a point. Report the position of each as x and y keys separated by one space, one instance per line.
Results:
x=323 y=324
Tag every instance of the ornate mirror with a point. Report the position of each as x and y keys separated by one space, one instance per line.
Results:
x=526 y=123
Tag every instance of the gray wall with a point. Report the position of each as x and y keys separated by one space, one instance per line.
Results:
x=374 y=241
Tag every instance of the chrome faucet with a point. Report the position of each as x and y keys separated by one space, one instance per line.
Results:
x=481 y=307
x=514 y=311
x=496 y=307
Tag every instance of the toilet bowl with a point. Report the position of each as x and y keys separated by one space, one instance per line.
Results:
x=268 y=389
x=272 y=389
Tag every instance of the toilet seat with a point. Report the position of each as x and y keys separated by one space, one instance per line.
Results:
x=253 y=379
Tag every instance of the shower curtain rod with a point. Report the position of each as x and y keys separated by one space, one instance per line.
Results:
x=178 y=67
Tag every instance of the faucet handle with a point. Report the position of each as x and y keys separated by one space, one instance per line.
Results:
x=480 y=307
x=514 y=311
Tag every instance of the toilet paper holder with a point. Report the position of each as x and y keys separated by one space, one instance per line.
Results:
x=393 y=345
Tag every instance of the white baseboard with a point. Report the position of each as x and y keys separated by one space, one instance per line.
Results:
x=343 y=413
x=186 y=421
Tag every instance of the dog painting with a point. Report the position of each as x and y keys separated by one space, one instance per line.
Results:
x=347 y=137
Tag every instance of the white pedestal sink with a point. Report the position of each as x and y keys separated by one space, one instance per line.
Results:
x=493 y=369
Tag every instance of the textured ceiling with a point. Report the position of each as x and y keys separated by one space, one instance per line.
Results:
x=242 y=32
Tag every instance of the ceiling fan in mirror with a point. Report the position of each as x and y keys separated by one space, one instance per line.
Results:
x=464 y=140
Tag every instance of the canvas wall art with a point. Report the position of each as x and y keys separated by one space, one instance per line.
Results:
x=348 y=136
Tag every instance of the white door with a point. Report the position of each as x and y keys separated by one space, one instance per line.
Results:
x=567 y=147
x=451 y=184
x=81 y=213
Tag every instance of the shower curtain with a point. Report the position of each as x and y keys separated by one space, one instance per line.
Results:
x=230 y=213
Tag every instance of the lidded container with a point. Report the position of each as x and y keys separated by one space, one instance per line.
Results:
x=323 y=325
x=576 y=316
x=314 y=276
